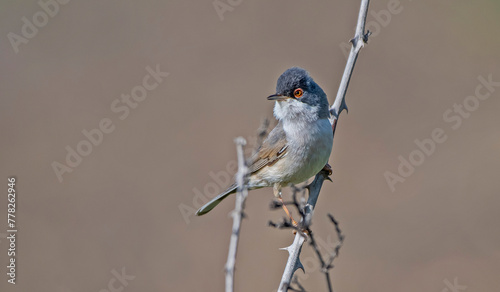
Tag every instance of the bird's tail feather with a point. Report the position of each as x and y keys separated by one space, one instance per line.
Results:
x=215 y=201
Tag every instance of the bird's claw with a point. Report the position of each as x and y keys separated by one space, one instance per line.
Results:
x=328 y=169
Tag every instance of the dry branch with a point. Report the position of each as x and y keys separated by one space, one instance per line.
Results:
x=237 y=213
x=293 y=263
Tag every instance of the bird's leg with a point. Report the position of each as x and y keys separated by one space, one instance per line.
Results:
x=294 y=223
x=277 y=193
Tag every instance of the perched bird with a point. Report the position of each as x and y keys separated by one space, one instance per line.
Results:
x=300 y=144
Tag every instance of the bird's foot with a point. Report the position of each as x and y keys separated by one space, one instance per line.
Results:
x=328 y=169
x=304 y=232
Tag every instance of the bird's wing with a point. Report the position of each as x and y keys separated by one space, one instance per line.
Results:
x=273 y=148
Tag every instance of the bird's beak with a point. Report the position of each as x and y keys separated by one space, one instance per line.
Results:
x=278 y=97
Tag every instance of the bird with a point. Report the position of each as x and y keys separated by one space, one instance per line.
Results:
x=300 y=144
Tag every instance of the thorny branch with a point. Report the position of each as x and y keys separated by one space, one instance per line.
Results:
x=241 y=195
x=307 y=233
x=237 y=213
x=326 y=265
x=293 y=263
x=358 y=42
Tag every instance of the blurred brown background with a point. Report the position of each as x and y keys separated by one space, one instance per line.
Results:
x=120 y=207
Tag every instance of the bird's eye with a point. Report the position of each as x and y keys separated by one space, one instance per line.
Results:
x=298 y=92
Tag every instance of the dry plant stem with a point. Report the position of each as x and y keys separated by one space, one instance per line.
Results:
x=296 y=282
x=358 y=42
x=237 y=213
x=326 y=265
x=294 y=250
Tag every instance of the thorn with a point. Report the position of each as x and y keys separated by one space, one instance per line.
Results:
x=328 y=178
x=286 y=248
x=343 y=106
x=298 y=265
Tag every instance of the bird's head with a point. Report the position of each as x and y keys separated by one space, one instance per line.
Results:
x=299 y=97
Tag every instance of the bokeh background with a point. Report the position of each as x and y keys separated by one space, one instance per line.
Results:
x=121 y=207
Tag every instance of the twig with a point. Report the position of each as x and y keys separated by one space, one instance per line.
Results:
x=327 y=265
x=237 y=213
x=340 y=236
x=358 y=42
x=295 y=248
x=324 y=268
x=296 y=282
x=360 y=38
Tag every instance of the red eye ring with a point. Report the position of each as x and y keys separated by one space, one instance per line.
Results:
x=298 y=92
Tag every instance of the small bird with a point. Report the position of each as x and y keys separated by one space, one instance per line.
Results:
x=300 y=144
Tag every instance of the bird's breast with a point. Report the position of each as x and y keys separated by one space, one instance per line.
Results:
x=309 y=148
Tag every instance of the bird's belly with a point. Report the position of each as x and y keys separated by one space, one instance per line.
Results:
x=313 y=160
x=306 y=155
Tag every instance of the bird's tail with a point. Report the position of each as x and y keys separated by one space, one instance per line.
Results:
x=215 y=201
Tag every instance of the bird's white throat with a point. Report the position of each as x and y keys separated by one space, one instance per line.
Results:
x=295 y=111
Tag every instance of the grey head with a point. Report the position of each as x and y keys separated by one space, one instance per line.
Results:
x=299 y=97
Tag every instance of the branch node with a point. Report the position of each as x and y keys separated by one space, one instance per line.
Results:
x=366 y=36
